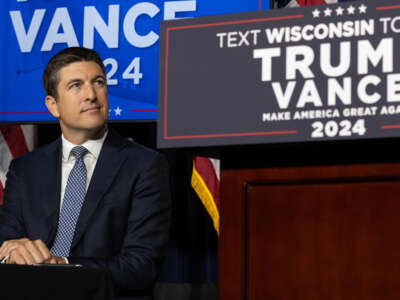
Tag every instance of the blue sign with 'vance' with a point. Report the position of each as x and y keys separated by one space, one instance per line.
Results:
x=125 y=33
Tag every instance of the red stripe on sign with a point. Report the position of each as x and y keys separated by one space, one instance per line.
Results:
x=166 y=83
x=15 y=139
x=237 y=22
x=202 y=136
x=387 y=7
x=170 y=29
x=143 y=110
x=390 y=126
x=206 y=170
x=22 y=112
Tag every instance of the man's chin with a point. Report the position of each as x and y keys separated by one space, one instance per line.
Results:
x=97 y=127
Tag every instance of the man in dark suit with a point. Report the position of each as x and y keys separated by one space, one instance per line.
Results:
x=123 y=221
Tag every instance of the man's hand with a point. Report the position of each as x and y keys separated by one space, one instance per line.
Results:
x=25 y=252
x=56 y=260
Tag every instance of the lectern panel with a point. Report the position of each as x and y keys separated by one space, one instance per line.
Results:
x=335 y=240
x=326 y=232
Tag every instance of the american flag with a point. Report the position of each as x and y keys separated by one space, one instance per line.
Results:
x=15 y=140
x=205 y=182
x=295 y=3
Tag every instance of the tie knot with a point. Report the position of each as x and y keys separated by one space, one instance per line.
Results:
x=79 y=151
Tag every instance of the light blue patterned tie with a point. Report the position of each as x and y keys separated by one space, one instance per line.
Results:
x=74 y=195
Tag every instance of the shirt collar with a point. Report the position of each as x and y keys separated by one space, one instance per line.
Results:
x=93 y=146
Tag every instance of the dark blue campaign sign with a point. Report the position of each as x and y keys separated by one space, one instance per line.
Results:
x=125 y=33
x=326 y=72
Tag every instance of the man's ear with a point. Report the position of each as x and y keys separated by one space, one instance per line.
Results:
x=52 y=106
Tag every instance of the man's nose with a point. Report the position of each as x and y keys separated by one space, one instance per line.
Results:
x=90 y=92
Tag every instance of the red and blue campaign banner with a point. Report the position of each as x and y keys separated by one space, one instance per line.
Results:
x=125 y=33
x=324 y=72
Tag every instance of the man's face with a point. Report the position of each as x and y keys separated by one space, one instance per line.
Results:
x=82 y=104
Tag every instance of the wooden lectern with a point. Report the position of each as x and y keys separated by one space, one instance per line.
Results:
x=310 y=233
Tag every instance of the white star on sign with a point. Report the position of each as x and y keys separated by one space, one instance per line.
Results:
x=362 y=9
x=315 y=13
x=327 y=12
x=339 y=11
x=350 y=10
x=117 y=111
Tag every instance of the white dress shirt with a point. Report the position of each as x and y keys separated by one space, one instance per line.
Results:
x=68 y=160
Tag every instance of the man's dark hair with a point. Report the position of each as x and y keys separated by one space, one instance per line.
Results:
x=63 y=58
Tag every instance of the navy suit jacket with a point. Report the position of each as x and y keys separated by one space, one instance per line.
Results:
x=124 y=222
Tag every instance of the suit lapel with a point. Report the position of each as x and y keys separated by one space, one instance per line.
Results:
x=107 y=167
x=49 y=202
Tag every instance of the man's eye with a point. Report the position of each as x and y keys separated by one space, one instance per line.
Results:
x=100 y=82
x=75 y=85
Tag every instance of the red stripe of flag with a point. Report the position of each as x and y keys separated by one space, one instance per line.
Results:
x=310 y=2
x=206 y=170
x=16 y=145
x=15 y=139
